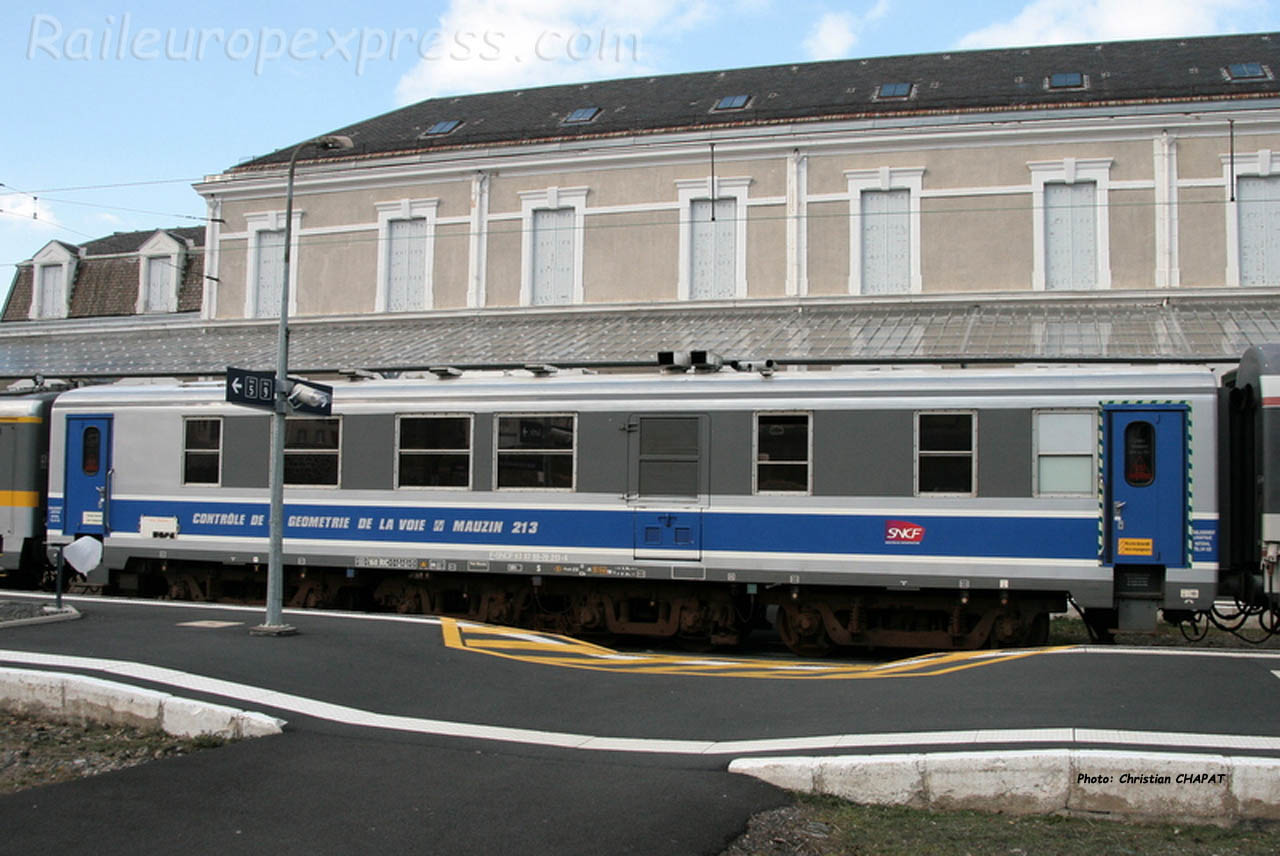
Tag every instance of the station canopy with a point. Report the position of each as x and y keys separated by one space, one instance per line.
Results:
x=1202 y=326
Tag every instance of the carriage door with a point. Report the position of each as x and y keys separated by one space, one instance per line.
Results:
x=668 y=482
x=1146 y=496
x=88 y=476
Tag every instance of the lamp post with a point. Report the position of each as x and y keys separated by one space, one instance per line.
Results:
x=274 y=624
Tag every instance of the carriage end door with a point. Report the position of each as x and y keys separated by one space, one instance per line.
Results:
x=88 y=476
x=1146 y=485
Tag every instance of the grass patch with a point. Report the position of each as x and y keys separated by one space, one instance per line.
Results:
x=832 y=826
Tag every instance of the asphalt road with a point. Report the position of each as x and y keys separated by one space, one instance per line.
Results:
x=603 y=753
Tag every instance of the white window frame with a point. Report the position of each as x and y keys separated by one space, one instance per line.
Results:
x=1071 y=171
x=910 y=179
x=269 y=221
x=551 y=199
x=497 y=435
x=165 y=246
x=405 y=209
x=713 y=188
x=186 y=450
x=1259 y=164
x=470 y=450
x=1036 y=454
x=755 y=454
x=972 y=453
x=53 y=255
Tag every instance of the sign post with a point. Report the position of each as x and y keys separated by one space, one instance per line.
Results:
x=282 y=395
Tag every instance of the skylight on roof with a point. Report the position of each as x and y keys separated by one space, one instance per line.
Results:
x=442 y=127
x=732 y=102
x=581 y=115
x=1066 y=80
x=893 y=90
x=1246 y=71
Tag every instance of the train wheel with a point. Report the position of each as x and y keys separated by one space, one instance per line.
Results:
x=803 y=631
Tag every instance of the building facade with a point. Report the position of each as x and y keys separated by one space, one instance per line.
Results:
x=1124 y=167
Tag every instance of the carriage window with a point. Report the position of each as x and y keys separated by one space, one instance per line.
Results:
x=311 y=451
x=536 y=451
x=1139 y=454
x=202 y=452
x=782 y=453
x=435 y=451
x=1066 y=442
x=91 y=451
x=944 y=453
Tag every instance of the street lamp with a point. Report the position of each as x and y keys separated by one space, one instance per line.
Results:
x=274 y=624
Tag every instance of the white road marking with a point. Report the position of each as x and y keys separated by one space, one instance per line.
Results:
x=248 y=694
x=211 y=625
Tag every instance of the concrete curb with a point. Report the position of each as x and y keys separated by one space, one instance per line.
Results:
x=50 y=615
x=83 y=699
x=1208 y=788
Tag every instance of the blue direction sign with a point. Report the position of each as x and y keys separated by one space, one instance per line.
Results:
x=256 y=389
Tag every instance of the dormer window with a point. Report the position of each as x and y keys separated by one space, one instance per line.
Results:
x=731 y=102
x=581 y=116
x=53 y=270
x=160 y=261
x=893 y=90
x=1067 y=80
x=1247 y=71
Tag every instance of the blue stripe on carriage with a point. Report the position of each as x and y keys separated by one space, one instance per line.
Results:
x=1027 y=536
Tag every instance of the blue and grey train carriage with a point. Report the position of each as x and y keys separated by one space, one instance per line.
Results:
x=924 y=507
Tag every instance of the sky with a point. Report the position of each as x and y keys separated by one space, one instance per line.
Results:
x=115 y=109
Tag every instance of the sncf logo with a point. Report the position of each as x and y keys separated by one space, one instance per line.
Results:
x=902 y=532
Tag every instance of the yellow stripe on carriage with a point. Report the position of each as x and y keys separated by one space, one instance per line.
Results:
x=19 y=499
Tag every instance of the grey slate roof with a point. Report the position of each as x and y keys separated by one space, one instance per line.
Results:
x=1201 y=326
x=1117 y=73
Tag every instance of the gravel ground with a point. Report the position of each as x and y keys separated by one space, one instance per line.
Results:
x=11 y=610
x=35 y=752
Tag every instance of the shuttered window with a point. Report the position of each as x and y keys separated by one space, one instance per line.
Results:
x=1071 y=236
x=886 y=241
x=160 y=275
x=49 y=300
x=1259 y=210
x=713 y=249
x=269 y=275
x=553 y=256
x=407 y=265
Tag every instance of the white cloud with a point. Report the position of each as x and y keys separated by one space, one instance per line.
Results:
x=29 y=217
x=1065 y=21
x=487 y=45
x=834 y=35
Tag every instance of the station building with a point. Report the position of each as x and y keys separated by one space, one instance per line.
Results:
x=1114 y=200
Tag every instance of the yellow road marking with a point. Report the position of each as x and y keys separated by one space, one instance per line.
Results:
x=24 y=420
x=549 y=649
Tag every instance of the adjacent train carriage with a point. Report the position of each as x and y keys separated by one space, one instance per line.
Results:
x=933 y=507
x=24 y=449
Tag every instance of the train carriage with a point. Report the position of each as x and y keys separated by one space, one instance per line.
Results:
x=24 y=448
x=931 y=507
